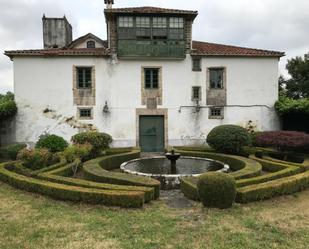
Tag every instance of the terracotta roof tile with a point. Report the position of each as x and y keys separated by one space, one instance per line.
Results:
x=59 y=52
x=213 y=49
x=151 y=10
x=84 y=38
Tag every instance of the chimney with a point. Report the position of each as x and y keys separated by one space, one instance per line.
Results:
x=109 y=3
x=57 y=32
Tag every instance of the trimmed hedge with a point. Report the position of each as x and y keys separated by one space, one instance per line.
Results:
x=216 y=190
x=52 y=142
x=72 y=193
x=304 y=165
x=283 y=186
x=228 y=139
x=278 y=171
x=242 y=167
x=97 y=170
x=148 y=192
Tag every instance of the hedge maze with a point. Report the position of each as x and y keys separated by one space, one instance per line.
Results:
x=105 y=187
x=278 y=178
x=99 y=182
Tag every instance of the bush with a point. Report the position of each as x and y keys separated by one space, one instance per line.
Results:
x=216 y=190
x=284 y=140
x=99 y=141
x=8 y=106
x=35 y=158
x=11 y=151
x=52 y=142
x=77 y=151
x=228 y=139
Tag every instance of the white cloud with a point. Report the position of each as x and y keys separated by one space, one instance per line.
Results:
x=270 y=24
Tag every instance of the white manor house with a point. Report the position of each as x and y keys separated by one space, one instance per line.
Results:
x=148 y=85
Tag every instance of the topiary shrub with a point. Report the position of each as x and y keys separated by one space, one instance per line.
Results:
x=228 y=138
x=77 y=151
x=284 y=140
x=35 y=158
x=11 y=151
x=99 y=141
x=216 y=190
x=52 y=142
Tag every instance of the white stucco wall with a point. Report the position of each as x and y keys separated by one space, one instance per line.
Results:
x=42 y=83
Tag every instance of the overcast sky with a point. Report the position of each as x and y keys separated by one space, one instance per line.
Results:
x=281 y=25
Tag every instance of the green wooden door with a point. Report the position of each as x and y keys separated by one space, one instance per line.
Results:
x=151 y=133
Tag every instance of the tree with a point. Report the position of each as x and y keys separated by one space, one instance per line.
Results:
x=298 y=85
x=8 y=106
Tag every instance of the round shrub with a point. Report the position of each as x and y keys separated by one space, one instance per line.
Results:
x=52 y=142
x=35 y=158
x=216 y=190
x=77 y=151
x=228 y=138
x=99 y=141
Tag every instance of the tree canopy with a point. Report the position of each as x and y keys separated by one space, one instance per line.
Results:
x=8 y=106
x=298 y=85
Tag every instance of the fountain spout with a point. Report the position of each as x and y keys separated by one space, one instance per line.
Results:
x=173 y=157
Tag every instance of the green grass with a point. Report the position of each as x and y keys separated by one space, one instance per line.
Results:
x=34 y=221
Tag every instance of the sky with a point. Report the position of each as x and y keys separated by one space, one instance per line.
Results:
x=280 y=25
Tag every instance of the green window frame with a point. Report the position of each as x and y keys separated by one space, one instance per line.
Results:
x=151 y=79
x=196 y=93
x=216 y=78
x=84 y=77
x=196 y=64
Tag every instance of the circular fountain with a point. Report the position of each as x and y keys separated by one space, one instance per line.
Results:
x=169 y=169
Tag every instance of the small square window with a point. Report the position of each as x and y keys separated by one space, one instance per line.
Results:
x=196 y=93
x=215 y=113
x=196 y=64
x=90 y=44
x=84 y=77
x=85 y=113
x=216 y=78
x=151 y=78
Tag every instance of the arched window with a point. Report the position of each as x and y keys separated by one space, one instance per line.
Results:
x=90 y=44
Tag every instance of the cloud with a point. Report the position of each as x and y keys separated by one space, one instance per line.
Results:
x=270 y=24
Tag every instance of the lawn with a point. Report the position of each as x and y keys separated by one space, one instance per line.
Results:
x=34 y=221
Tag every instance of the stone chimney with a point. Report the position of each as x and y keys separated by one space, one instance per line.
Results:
x=57 y=32
x=109 y=3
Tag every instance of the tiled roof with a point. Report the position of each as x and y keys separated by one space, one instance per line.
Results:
x=59 y=52
x=151 y=10
x=213 y=49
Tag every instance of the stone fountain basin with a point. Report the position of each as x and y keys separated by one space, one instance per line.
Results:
x=160 y=168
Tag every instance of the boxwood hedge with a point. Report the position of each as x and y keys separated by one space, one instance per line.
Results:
x=72 y=193
x=98 y=170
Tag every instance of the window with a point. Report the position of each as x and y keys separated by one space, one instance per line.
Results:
x=90 y=44
x=216 y=78
x=151 y=78
x=126 y=28
x=216 y=113
x=85 y=113
x=196 y=64
x=142 y=27
x=126 y=22
x=159 y=28
x=196 y=93
x=176 y=26
x=84 y=77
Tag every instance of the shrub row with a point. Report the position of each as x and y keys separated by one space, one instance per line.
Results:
x=287 y=185
x=97 y=170
x=304 y=165
x=242 y=167
x=148 y=192
x=278 y=171
x=72 y=193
